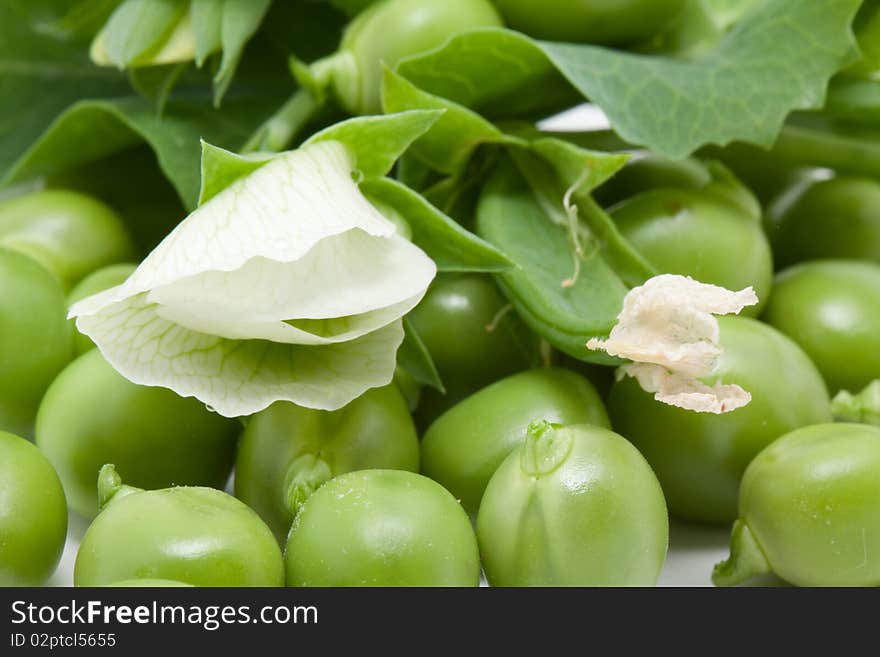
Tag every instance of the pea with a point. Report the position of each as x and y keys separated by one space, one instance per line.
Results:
x=620 y=22
x=699 y=458
x=91 y=415
x=148 y=583
x=465 y=445
x=831 y=308
x=573 y=506
x=33 y=514
x=382 y=528
x=390 y=30
x=287 y=452
x=836 y=218
x=474 y=337
x=809 y=510
x=36 y=341
x=98 y=281
x=695 y=233
x=199 y=536
x=69 y=233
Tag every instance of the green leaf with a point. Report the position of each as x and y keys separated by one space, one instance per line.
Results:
x=451 y=142
x=499 y=73
x=777 y=59
x=534 y=234
x=378 y=141
x=240 y=21
x=448 y=244
x=413 y=356
x=155 y=83
x=137 y=28
x=207 y=22
x=221 y=168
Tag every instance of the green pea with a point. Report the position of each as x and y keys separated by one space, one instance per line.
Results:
x=287 y=452
x=199 y=536
x=465 y=445
x=474 y=337
x=148 y=583
x=98 y=281
x=36 y=341
x=69 y=233
x=390 y=30
x=699 y=458
x=698 y=234
x=831 y=309
x=809 y=510
x=620 y=22
x=91 y=415
x=573 y=506
x=837 y=218
x=33 y=514
x=382 y=528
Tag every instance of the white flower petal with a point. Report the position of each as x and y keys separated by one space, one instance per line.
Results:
x=667 y=327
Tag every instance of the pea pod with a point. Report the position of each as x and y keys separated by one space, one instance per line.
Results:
x=91 y=415
x=699 y=458
x=382 y=528
x=573 y=506
x=69 y=233
x=809 y=510
x=831 y=308
x=37 y=341
x=33 y=514
x=465 y=445
x=474 y=338
x=287 y=452
x=194 y=535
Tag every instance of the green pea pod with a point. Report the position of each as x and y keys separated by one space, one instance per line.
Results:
x=198 y=536
x=91 y=415
x=423 y=539
x=33 y=514
x=862 y=407
x=287 y=452
x=809 y=510
x=573 y=266
x=573 y=506
x=465 y=445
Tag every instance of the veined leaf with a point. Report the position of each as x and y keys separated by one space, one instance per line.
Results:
x=777 y=59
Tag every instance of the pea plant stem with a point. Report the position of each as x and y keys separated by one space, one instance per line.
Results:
x=848 y=154
x=280 y=129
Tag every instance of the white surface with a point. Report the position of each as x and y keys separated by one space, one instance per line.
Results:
x=693 y=551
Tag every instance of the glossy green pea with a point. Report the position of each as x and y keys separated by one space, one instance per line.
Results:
x=573 y=506
x=699 y=458
x=33 y=514
x=474 y=337
x=697 y=234
x=91 y=415
x=607 y=22
x=287 y=452
x=809 y=510
x=149 y=583
x=69 y=233
x=837 y=218
x=382 y=528
x=832 y=310
x=98 y=281
x=36 y=341
x=466 y=444
x=390 y=30
x=194 y=535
